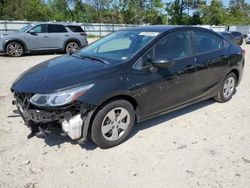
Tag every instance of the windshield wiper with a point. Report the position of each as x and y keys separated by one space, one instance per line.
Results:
x=93 y=58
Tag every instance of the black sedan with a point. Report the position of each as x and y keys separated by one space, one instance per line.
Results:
x=127 y=77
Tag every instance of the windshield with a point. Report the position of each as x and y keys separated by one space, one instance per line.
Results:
x=25 y=28
x=119 y=46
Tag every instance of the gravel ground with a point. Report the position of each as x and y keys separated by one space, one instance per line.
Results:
x=204 y=145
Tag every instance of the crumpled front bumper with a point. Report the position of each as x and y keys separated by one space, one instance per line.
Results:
x=74 y=118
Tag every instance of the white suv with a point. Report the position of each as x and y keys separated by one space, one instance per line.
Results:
x=43 y=37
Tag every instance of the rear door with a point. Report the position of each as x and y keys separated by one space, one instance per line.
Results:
x=38 y=39
x=210 y=61
x=57 y=35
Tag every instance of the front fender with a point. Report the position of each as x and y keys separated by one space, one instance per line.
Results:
x=7 y=41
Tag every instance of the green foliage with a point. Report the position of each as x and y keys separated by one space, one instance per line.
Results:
x=183 y=12
x=239 y=12
x=199 y=12
x=179 y=11
x=214 y=14
x=24 y=10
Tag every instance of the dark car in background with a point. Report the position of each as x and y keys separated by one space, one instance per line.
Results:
x=41 y=37
x=235 y=37
x=238 y=37
x=127 y=77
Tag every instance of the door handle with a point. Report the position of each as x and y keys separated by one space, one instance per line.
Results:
x=46 y=36
x=189 y=67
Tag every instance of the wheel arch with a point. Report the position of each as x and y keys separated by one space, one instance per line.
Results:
x=236 y=72
x=128 y=98
x=14 y=40
x=71 y=40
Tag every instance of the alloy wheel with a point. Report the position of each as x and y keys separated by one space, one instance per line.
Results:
x=115 y=123
x=72 y=48
x=15 y=49
x=228 y=88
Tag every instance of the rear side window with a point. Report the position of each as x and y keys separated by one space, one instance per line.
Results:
x=56 y=29
x=206 y=42
x=76 y=29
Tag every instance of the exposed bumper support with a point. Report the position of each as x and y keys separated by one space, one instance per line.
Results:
x=73 y=120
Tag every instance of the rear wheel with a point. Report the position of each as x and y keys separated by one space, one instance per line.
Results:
x=15 y=49
x=227 y=88
x=112 y=124
x=72 y=47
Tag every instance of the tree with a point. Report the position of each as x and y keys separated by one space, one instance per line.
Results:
x=41 y=13
x=238 y=12
x=128 y=11
x=214 y=14
x=179 y=11
x=24 y=10
x=154 y=15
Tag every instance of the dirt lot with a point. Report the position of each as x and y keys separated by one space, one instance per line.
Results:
x=204 y=145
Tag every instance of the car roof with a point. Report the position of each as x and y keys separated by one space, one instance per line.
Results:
x=58 y=23
x=161 y=28
x=225 y=32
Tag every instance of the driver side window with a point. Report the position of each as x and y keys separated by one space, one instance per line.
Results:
x=174 y=46
x=40 y=29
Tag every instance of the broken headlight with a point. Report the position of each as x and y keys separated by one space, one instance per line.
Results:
x=59 y=98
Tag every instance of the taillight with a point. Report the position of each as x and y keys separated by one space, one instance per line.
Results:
x=83 y=33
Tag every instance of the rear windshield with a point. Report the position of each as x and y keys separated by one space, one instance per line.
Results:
x=75 y=28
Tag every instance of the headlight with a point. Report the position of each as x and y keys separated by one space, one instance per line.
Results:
x=59 y=98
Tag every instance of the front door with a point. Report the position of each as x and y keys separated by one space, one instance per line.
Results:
x=168 y=87
x=37 y=39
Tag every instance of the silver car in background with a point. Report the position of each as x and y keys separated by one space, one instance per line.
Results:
x=248 y=38
x=42 y=37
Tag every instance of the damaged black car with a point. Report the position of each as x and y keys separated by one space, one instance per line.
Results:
x=127 y=77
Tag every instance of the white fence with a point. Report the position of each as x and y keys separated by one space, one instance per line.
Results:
x=99 y=29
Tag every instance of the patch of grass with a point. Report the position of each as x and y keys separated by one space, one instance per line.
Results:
x=92 y=36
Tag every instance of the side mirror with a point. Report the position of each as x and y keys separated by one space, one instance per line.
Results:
x=163 y=62
x=32 y=32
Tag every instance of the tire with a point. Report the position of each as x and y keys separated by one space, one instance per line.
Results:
x=15 y=49
x=112 y=124
x=227 y=88
x=72 y=47
x=241 y=42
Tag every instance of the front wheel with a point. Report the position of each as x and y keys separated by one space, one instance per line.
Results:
x=227 y=88
x=112 y=124
x=15 y=49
